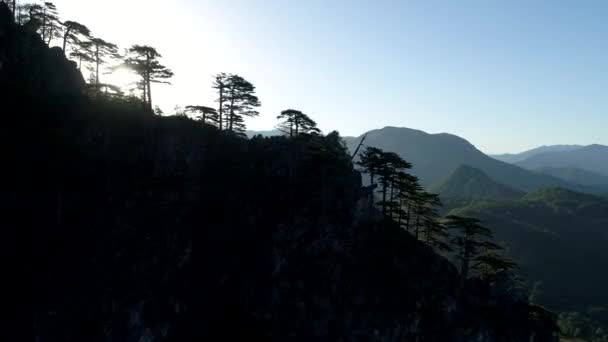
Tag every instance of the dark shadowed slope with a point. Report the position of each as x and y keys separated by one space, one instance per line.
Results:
x=436 y=156
x=470 y=183
x=592 y=158
x=126 y=226
x=513 y=158
x=559 y=237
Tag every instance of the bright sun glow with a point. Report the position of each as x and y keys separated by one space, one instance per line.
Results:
x=123 y=78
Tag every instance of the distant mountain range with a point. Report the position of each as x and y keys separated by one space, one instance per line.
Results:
x=576 y=175
x=513 y=158
x=436 y=156
x=270 y=133
x=592 y=158
x=467 y=183
x=558 y=237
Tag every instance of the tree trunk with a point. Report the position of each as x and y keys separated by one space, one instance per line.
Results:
x=221 y=109
x=384 y=188
x=97 y=61
x=392 y=199
x=65 y=39
x=371 y=200
x=400 y=217
x=145 y=91
x=51 y=30
x=44 y=25
x=408 y=217
x=231 y=118
x=417 y=222
x=15 y=10
x=149 y=81
x=149 y=93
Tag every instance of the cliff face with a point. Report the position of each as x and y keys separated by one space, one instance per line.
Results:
x=124 y=226
x=26 y=63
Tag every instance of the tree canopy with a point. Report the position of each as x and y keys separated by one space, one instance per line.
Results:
x=144 y=60
x=295 y=122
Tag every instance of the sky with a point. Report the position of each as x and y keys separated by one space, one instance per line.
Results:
x=505 y=75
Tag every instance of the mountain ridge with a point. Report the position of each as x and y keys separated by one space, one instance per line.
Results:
x=469 y=183
x=435 y=156
x=517 y=157
x=592 y=158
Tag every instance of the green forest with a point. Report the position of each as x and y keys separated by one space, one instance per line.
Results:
x=126 y=223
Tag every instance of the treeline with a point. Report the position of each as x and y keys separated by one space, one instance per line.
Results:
x=400 y=198
x=163 y=228
x=236 y=98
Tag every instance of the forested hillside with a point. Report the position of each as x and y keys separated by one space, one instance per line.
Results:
x=121 y=224
x=559 y=238
x=469 y=183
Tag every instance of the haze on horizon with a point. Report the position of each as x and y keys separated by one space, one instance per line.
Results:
x=507 y=76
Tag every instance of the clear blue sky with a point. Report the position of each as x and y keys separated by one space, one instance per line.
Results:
x=506 y=75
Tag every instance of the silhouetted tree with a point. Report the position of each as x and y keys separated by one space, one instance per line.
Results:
x=220 y=83
x=296 y=122
x=72 y=32
x=50 y=22
x=81 y=50
x=490 y=261
x=472 y=243
x=370 y=162
x=143 y=60
x=158 y=111
x=101 y=51
x=33 y=16
x=390 y=164
x=14 y=10
x=241 y=101
x=206 y=115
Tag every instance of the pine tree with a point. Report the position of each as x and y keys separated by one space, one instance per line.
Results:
x=220 y=83
x=390 y=164
x=295 y=122
x=490 y=261
x=474 y=248
x=51 y=24
x=143 y=60
x=206 y=115
x=73 y=32
x=101 y=53
x=82 y=51
x=241 y=102
x=369 y=160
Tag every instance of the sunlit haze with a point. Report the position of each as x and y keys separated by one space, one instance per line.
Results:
x=506 y=75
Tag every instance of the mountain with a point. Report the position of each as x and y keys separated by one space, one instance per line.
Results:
x=576 y=175
x=436 y=156
x=513 y=158
x=559 y=238
x=592 y=158
x=123 y=225
x=470 y=183
x=271 y=133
